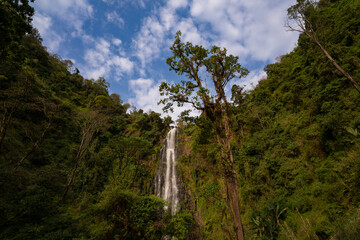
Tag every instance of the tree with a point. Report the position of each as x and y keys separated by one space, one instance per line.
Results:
x=300 y=20
x=15 y=19
x=22 y=92
x=91 y=123
x=221 y=68
x=15 y=22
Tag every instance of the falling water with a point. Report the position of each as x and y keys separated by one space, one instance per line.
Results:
x=166 y=184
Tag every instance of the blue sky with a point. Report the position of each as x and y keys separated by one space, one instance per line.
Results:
x=127 y=41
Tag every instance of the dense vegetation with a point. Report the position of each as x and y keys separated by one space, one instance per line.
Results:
x=296 y=143
x=77 y=163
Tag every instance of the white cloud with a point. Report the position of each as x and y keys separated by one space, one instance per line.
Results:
x=253 y=30
x=122 y=3
x=149 y=41
x=116 y=41
x=124 y=65
x=64 y=8
x=102 y=60
x=251 y=80
x=156 y=31
x=71 y=14
x=174 y=4
x=250 y=29
x=190 y=32
x=43 y=23
x=146 y=94
x=115 y=18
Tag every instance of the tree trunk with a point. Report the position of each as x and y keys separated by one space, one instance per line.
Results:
x=232 y=187
x=71 y=179
x=233 y=193
x=337 y=66
x=233 y=203
x=346 y=74
x=79 y=155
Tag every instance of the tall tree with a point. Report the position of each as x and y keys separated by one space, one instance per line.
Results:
x=221 y=68
x=91 y=123
x=300 y=20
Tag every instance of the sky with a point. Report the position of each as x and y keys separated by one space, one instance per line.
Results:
x=127 y=41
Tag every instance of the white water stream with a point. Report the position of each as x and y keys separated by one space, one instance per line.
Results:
x=166 y=184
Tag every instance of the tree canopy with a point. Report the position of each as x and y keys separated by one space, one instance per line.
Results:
x=188 y=60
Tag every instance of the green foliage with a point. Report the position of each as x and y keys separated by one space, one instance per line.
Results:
x=57 y=126
x=266 y=222
x=15 y=21
x=179 y=225
x=349 y=227
x=188 y=60
x=201 y=174
x=122 y=214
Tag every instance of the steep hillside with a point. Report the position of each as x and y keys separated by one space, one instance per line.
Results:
x=74 y=162
x=296 y=143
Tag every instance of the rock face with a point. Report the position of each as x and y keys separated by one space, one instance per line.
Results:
x=166 y=183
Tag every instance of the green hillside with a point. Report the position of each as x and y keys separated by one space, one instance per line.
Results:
x=296 y=143
x=76 y=162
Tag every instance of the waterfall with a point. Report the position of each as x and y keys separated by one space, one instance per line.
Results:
x=166 y=183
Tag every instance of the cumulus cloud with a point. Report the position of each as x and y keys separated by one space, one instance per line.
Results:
x=250 y=81
x=122 y=3
x=43 y=23
x=190 y=32
x=60 y=7
x=250 y=29
x=115 y=18
x=174 y=4
x=146 y=94
x=103 y=57
x=116 y=41
x=156 y=30
x=73 y=13
x=102 y=60
x=253 y=30
x=149 y=42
